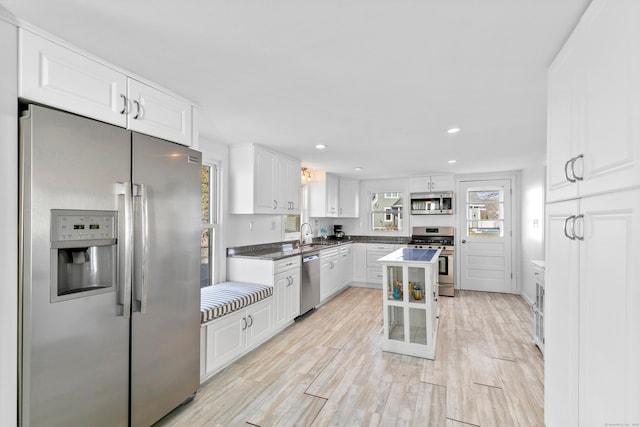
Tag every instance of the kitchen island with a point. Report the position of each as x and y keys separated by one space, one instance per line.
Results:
x=410 y=301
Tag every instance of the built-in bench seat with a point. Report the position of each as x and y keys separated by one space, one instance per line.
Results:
x=227 y=297
x=235 y=317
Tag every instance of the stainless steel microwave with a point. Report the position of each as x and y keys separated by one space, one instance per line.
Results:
x=436 y=203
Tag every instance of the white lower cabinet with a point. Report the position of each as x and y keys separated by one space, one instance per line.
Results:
x=359 y=262
x=328 y=273
x=283 y=275
x=592 y=311
x=287 y=292
x=375 y=251
x=232 y=335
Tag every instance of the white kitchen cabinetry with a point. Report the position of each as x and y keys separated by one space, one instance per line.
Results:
x=375 y=251
x=421 y=184
x=360 y=262
x=592 y=274
x=349 y=198
x=329 y=275
x=332 y=196
x=594 y=100
x=234 y=334
x=283 y=275
x=263 y=181
x=592 y=309
x=287 y=291
x=538 y=305
x=55 y=75
x=345 y=265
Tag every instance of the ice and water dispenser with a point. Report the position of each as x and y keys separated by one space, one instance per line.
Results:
x=83 y=253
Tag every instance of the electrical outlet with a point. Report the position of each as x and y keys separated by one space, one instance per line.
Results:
x=250 y=225
x=273 y=225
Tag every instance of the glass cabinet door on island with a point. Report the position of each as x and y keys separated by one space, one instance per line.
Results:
x=410 y=309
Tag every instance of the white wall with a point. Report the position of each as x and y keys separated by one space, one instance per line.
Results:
x=8 y=223
x=533 y=185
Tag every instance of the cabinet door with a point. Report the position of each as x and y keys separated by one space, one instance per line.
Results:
x=442 y=183
x=349 y=199
x=419 y=184
x=328 y=273
x=159 y=114
x=346 y=263
x=562 y=310
x=265 y=181
x=611 y=148
x=225 y=340
x=54 y=75
x=288 y=186
x=609 y=309
x=332 y=195
x=292 y=302
x=565 y=116
x=359 y=262
x=280 y=288
x=259 y=322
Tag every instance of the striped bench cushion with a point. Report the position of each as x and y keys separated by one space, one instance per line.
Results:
x=227 y=297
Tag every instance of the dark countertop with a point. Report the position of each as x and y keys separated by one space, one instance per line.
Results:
x=280 y=250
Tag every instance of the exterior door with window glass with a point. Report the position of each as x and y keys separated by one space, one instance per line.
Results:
x=485 y=249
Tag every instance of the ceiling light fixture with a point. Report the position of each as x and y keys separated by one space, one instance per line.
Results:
x=358 y=168
x=321 y=146
x=452 y=161
x=453 y=130
x=305 y=175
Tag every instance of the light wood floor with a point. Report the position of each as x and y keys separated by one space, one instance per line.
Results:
x=328 y=369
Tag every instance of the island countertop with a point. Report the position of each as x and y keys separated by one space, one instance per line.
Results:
x=411 y=255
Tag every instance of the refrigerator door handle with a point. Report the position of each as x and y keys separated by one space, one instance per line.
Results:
x=125 y=243
x=141 y=282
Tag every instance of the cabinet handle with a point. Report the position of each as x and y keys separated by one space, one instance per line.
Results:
x=244 y=321
x=250 y=324
x=138 y=110
x=579 y=217
x=573 y=169
x=125 y=104
x=572 y=218
x=275 y=204
x=566 y=171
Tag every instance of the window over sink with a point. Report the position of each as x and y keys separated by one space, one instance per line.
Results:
x=387 y=211
x=209 y=224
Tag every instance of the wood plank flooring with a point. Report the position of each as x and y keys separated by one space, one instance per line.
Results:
x=329 y=369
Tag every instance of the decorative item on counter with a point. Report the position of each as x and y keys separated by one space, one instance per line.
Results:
x=418 y=292
x=397 y=290
x=410 y=288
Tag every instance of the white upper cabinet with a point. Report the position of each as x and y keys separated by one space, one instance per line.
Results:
x=594 y=105
x=349 y=198
x=422 y=184
x=55 y=75
x=156 y=113
x=263 y=181
x=333 y=196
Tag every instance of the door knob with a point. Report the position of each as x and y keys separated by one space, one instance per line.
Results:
x=464 y=241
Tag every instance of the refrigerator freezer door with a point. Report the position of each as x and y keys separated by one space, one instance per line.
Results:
x=165 y=344
x=75 y=352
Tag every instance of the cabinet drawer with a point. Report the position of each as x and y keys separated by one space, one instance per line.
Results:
x=328 y=253
x=287 y=264
x=374 y=275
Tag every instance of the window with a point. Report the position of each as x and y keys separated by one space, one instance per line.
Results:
x=386 y=211
x=209 y=224
x=485 y=212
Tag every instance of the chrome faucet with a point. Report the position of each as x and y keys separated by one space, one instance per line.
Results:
x=302 y=239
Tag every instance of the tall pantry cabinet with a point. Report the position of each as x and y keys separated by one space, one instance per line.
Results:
x=592 y=277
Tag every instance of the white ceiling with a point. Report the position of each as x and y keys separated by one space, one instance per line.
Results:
x=378 y=81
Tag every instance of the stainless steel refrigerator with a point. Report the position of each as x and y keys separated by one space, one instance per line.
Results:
x=109 y=277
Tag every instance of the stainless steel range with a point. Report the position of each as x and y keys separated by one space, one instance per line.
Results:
x=438 y=238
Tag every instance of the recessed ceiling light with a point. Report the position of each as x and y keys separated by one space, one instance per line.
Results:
x=321 y=146
x=358 y=168
x=452 y=161
x=453 y=130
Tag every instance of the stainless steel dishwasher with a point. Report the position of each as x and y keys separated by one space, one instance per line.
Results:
x=310 y=283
